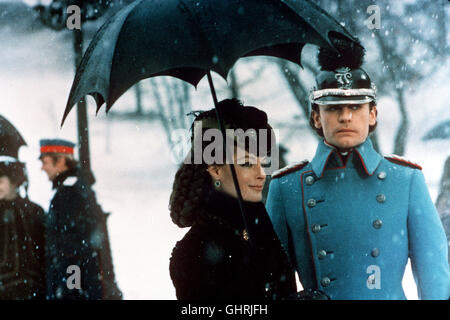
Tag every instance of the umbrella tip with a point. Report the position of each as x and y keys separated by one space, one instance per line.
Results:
x=62 y=122
x=69 y=107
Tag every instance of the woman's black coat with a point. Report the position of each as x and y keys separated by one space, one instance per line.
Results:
x=214 y=261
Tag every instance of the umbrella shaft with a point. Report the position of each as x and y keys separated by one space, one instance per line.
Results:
x=82 y=121
x=222 y=129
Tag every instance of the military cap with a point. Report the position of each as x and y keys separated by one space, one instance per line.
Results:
x=342 y=80
x=56 y=146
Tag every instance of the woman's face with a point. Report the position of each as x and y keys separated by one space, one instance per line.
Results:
x=250 y=174
x=7 y=189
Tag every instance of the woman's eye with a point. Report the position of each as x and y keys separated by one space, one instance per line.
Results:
x=246 y=164
x=266 y=164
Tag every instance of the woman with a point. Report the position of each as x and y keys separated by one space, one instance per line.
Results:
x=219 y=258
x=22 y=237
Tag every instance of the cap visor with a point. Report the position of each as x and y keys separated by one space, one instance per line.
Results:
x=343 y=100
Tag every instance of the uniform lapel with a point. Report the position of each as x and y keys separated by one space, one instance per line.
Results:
x=370 y=159
x=321 y=158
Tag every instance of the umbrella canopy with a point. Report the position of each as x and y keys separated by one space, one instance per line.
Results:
x=10 y=139
x=188 y=38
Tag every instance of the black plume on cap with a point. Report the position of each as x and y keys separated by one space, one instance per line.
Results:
x=351 y=55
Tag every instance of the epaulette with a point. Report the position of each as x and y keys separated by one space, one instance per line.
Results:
x=290 y=168
x=402 y=161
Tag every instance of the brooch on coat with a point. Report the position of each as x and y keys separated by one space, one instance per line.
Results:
x=245 y=235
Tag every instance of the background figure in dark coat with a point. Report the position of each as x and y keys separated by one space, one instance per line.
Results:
x=22 y=260
x=219 y=258
x=70 y=228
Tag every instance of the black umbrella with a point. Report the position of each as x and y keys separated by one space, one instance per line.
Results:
x=10 y=139
x=189 y=38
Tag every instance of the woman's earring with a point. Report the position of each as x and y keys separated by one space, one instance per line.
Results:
x=217 y=183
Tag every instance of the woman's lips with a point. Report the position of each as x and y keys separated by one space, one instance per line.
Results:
x=258 y=188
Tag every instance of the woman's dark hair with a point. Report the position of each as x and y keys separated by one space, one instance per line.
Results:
x=190 y=190
x=193 y=182
x=319 y=131
x=15 y=171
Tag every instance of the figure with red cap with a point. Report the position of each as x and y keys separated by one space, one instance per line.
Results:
x=72 y=244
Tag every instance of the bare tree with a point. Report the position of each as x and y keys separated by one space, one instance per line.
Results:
x=168 y=101
x=138 y=93
x=233 y=84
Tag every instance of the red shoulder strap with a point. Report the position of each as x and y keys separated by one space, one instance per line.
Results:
x=288 y=169
x=402 y=161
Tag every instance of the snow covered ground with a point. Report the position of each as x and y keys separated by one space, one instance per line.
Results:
x=133 y=164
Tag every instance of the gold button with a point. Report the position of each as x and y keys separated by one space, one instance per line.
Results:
x=309 y=180
x=377 y=224
x=381 y=198
x=375 y=252
x=312 y=203
x=325 y=282
x=382 y=175
x=321 y=254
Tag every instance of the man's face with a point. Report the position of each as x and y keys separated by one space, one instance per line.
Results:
x=53 y=169
x=345 y=126
x=7 y=189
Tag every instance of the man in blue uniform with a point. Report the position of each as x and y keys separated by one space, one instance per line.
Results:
x=350 y=218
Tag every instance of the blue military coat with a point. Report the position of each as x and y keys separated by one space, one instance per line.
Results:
x=351 y=224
